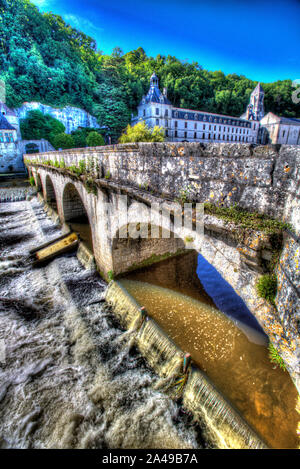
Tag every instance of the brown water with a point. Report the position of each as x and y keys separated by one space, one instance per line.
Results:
x=83 y=228
x=235 y=360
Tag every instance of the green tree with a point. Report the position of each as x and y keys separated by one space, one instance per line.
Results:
x=94 y=139
x=63 y=141
x=37 y=126
x=141 y=133
x=80 y=135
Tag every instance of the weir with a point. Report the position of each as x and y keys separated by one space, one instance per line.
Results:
x=225 y=425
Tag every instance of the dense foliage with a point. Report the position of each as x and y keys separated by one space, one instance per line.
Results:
x=63 y=141
x=142 y=133
x=44 y=59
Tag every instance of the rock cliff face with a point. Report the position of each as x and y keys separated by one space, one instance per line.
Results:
x=71 y=117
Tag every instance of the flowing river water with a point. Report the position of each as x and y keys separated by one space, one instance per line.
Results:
x=71 y=377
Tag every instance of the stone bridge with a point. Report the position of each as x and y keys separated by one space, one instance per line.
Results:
x=104 y=183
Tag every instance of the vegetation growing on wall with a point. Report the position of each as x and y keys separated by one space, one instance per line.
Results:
x=44 y=59
x=275 y=357
x=246 y=219
x=266 y=287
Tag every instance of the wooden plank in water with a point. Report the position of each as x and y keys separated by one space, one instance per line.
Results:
x=68 y=243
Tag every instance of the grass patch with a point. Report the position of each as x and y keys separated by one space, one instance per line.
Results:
x=246 y=219
x=110 y=275
x=266 y=287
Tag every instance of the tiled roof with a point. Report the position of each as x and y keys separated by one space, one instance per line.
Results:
x=154 y=95
x=4 y=124
x=290 y=120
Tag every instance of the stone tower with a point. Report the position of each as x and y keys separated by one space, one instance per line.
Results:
x=255 y=109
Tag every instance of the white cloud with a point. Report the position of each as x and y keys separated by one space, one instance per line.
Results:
x=43 y=3
x=81 y=23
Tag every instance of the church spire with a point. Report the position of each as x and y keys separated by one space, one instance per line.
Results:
x=255 y=110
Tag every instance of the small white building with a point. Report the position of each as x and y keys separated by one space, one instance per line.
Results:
x=11 y=159
x=12 y=147
x=198 y=126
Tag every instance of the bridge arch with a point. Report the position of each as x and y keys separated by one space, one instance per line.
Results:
x=50 y=194
x=76 y=214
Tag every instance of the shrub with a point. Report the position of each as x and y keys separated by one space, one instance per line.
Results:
x=142 y=133
x=63 y=141
x=82 y=166
x=94 y=139
x=32 y=181
x=266 y=287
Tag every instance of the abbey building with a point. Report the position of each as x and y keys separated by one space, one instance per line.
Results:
x=198 y=126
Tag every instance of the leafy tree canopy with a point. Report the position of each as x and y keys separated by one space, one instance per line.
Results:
x=44 y=59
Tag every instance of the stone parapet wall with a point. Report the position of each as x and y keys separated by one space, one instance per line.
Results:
x=261 y=178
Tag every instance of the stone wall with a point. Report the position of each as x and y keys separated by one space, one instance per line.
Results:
x=129 y=254
x=11 y=158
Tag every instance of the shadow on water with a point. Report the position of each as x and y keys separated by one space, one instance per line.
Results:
x=224 y=295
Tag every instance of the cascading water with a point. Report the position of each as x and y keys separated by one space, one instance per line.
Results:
x=69 y=377
x=15 y=194
x=223 y=424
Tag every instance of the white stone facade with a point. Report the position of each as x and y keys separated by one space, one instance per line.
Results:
x=197 y=126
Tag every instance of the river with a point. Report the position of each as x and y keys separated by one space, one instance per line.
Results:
x=69 y=377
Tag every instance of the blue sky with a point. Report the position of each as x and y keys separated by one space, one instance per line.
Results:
x=259 y=38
